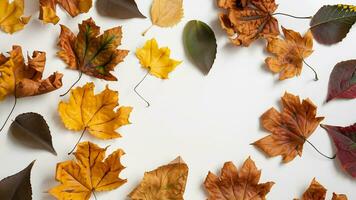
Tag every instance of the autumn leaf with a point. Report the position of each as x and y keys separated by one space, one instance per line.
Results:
x=122 y=9
x=237 y=184
x=11 y=16
x=345 y=141
x=166 y=13
x=246 y=21
x=90 y=53
x=289 y=129
x=289 y=54
x=317 y=192
x=165 y=182
x=94 y=113
x=73 y=7
x=89 y=173
x=7 y=77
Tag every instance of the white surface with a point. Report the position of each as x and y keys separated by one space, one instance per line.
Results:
x=206 y=119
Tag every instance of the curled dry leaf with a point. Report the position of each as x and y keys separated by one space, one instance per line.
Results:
x=345 y=141
x=122 y=9
x=289 y=129
x=32 y=130
x=88 y=173
x=316 y=191
x=237 y=184
x=91 y=53
x=11 y=16
x=332 y=23
x=156 y=60
x=26 y=79
x=289 y=53
x=342 y=82
x=248 y=20
x=17 y=186
x=94 y=113
x=73 y=7
x=165 y=182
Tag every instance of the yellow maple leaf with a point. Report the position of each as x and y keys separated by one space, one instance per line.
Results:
x=166 y=182
x=7 y=78
x=156 y=60
x=89 y=173
x=95 y=113
x=11 y=19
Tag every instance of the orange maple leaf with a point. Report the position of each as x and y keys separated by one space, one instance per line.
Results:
x=316 y=191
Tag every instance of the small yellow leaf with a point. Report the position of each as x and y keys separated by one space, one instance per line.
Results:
x=7 y=78
x=11 y=19
x=166 y=13
x=156 y=60
x=94 y=113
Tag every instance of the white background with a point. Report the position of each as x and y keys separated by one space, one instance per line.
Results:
x=208 y=120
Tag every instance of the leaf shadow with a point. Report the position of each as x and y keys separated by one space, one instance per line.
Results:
x=47 y=183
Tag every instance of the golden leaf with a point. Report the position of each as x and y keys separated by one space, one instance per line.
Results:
x=88 y=173
x=7 y=78
x=166 y=13
x=165 y=182
x=11 y=19
x=94 y=113
x=156 y=60
x=236 y=184
x=289 y=128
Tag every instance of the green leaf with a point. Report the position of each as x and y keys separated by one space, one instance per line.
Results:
x=200 y=44
x=17 y=186
x=332 y=23
x=122 y=9
x=32 y=130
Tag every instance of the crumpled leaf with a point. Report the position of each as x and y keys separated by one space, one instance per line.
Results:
x=316 y=191
x=32 y=130
x=17 y=186
x=289 y=128
x=165 y=182
x=166 y=13
x=122 y=9
x=345 y=141
x=332 y=23
x=29 y=80
x=88 y=173
x=289 y=53
x=246 y=21
x=93 y=54
x=200 y=44
x=237 y=184
x=342 y=82
x=99 y=114
x=156 y=60
x=73 y=7
x=11 y=16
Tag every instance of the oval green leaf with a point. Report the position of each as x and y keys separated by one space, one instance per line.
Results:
x=200 y=44
x=332 y=23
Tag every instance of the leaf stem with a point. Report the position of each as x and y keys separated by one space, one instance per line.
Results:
x=296 y=17
x=315 y=73
x=9 y=115
x=138 y=94
x=149 y=28
x=81 y=136
x=94 y=195
x=80 y=76
x=311 y=144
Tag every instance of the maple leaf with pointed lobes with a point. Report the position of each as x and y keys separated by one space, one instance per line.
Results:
x=88 y=173
x=11 y=19
x=289 y=128
x=289 y=53
x=95 y=113
x=245 y=24
x=93 y=54
x=236 y=184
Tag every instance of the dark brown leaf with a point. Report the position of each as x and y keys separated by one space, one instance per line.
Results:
x=122 y=9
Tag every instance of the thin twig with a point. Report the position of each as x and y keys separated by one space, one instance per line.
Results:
x=8 y=116
x=144 y=33
x=138 y=84
x=316 y=78
x=296 y=17
x=81 y=136
x=80 y=76
x=331 y=158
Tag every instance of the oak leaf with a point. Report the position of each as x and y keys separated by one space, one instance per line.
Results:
x=11 y=16
x=93 y=54
x=316 y=191
x=289 y=54
x=237 y=184
x=156 y=60
x=94 y=113
x=289 y=128
x=88 y=173
x=246 y=21
x=165 y=182
x=26 y=79
x=73 y=7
